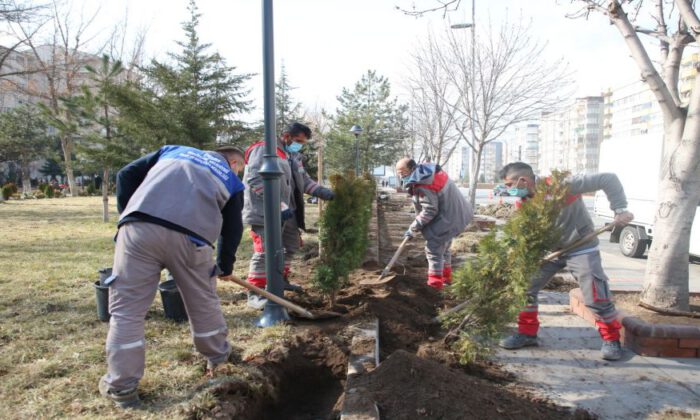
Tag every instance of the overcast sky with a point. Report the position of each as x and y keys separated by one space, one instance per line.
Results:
x=328 y=44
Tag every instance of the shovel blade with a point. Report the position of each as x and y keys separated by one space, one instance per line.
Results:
x=378 y=281
x=317 y=315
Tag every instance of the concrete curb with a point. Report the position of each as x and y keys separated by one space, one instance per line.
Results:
x=643 y=338
x=364 y=358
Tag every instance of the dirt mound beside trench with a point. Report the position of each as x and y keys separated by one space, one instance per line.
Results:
x=405 y=308
x=406 y=386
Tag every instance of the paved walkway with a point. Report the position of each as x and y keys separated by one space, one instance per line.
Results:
x=567 y=368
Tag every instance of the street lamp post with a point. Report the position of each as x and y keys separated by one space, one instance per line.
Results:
x=271 y=174
x=357 y=130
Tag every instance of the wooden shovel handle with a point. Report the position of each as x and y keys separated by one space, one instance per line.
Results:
x=556 y=254
x=287 y=304
x=395 y=257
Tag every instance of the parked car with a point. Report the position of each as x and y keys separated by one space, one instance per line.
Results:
x=501 y=191
x=312 y=200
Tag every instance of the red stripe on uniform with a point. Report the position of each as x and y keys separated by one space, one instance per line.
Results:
x=528 y=323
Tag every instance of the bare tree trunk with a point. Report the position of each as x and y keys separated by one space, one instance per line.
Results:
x=67 y=146
x=26 y=180
x=666 y=278
x=474 y=179
x=105 y=194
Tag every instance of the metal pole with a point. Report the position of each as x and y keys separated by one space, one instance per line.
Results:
x=271 y=173
x=473 y=28
x=357 y=155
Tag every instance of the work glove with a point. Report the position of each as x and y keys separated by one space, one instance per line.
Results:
x=622 y=219
x=287 y=214
x=409 y=234
x=325 y=194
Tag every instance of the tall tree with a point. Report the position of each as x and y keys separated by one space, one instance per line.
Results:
x=287 y=109
x=23 y=139
x=666 y=278
x=383 y=120
x=498 y=82
x=100 y=140
x=432 y=104
x=196 y=98
x=57 y=60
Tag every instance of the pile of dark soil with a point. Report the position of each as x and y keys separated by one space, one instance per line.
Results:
x=406 y=386
x=405 y=308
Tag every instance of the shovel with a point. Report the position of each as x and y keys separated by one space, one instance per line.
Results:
x=383 y=278
x=556 y=254
x=287 y=304
x=549 y=257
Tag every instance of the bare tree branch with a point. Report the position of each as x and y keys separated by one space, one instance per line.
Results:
x=505 y=83
x=665 y=39
x=667 y=102
x=432 y=102
x=685 y=8
x=444 y=5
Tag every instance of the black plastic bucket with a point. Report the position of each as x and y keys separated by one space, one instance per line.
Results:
x=104 y=274
x=173 y=306
x=102 y=298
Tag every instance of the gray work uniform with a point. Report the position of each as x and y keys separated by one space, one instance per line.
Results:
x=584 y=262
x=442 y=213
x=295 y=182
x=170 y=221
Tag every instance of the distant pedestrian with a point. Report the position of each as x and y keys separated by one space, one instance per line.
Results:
x=174 y=204
x=442 y=213
x=584 y=261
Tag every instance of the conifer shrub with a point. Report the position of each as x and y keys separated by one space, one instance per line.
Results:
x=494 y=283
x=8 y=190
x=344 y=230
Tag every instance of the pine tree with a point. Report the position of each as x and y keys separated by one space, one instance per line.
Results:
x=101 y=144
x=383 y=120
x=23 y=139
x=195 y=99
x=287 y=109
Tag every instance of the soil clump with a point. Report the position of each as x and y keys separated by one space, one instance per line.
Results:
x=406 y=386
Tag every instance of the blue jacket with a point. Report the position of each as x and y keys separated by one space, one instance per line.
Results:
x=187 y=190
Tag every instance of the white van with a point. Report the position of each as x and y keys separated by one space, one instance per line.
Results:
x=636 y=161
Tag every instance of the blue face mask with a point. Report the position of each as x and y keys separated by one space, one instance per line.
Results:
x=406 y=179
x=514 y=191
x=294 y=147
x=518 y=192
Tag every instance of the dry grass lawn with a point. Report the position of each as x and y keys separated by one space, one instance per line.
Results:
x=51 y=342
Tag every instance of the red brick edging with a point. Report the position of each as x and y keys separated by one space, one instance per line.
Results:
x=655 y=340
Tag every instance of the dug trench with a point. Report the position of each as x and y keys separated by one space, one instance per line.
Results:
x=418 y=376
